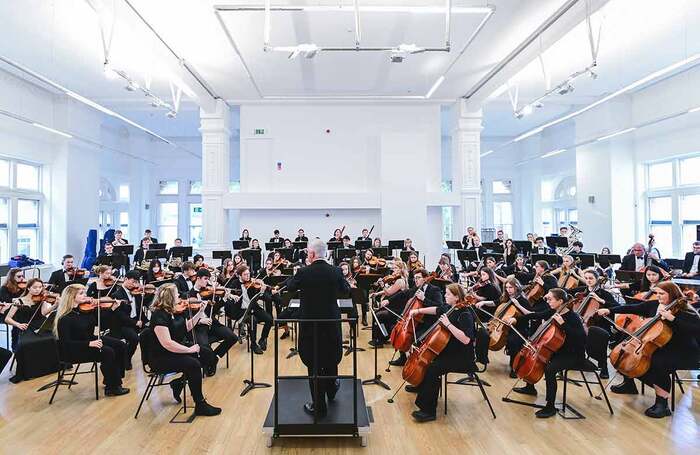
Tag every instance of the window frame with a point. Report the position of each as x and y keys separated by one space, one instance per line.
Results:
x=14 y=194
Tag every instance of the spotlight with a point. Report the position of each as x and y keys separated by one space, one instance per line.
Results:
x=568 y=88
x=539 y=105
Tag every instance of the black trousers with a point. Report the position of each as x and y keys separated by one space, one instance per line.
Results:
x=206 y=353
x=131 y=336
x=429 y=389
x=187 y=364
x=259 y=315
x=111 y=358
x=665 y=361
x=558 y=362
x=219 y=332
x=326 y=387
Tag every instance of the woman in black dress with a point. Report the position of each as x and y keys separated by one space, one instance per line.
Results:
x=35 y=352
x=168 y=354
x=457 y=357
x=488 y=292
x=155 y=271
x=140 y=253
x=77 y=342
x=14 y=287
x=513 y=292
x=510 y=252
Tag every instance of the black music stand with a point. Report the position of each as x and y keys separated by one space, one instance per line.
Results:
x=253 y=258
x=156 y=254
x=606 y=260
x=123 y=250
x=221 y=254
x=300 y=245
x=183 y=252
x=377 y=378
x=240 y=245
x=405 y=254
x=629 y=276
x=453 y=244
x=395 y=245
x=272 y=246
x=382 y=252
x=363 y=245
x=555 y=242
x=466 y=256
x=250 y=384
x=342 y=254
x=493 y=247
x=552 y=259
x=523 y=246
x=334 y=245
x=294 y=302
x=586 y=259
x=157 y=246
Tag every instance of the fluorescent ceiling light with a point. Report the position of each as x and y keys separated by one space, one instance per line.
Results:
x=486 y=153
x=602 y=138
x=435 y=86
x=695 y=109
x=630 y=87
x=553 y=152
x=363 y=9
x=48 y=128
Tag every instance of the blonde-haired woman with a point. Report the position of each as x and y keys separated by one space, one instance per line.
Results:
x=168 y=354
x=77 y=343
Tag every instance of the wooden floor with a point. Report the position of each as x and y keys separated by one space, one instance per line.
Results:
x=77 y=424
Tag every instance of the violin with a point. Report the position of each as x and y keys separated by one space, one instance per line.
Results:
x=147 y=289
x=530 y=362
x=433 y=342
x=415 y=265
x=105 y=303
x=163 y=275
x=403 y=333
x=111 y=281
x=498 y=332
x=253 y=284
x=632 y=357
x=210 y=291
x=190 y=304
x=377 y=262
x=77 y=273
x=48 y=297
x=390 y=279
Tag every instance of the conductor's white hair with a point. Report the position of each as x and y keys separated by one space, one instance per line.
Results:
x=318 y=246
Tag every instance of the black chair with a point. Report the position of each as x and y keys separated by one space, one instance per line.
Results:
x=676 y=380
x=60 y=379
x=595 y=340
x=157 y=378
x=481 y=346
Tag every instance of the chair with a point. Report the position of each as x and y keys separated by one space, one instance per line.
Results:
x=62 y=368
x=676 y=380
x=157 y=378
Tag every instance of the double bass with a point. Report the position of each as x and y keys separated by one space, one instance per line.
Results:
x=632 y=357
x=432 y=343
x=403 y=333
x=530 y=362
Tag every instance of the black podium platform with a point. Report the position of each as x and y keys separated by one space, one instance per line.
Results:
x=293 y=421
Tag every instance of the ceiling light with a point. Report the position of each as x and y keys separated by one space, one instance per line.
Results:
x=396 y=58
x=527 y=110
x=695 y=109
x=110 y=73
x=409 y=49
x=47 y=128
x=171 y=114
x=486 y=153
x=602 y=138
x=553 y=153
x=567 y=88
x=435 y=86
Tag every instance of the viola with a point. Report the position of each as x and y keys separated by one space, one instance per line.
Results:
x=403 y=334
x=210 y=291
x=632 y=357
x=163 y=275
x=253 y=284
x=498 y=332
x=433 y=342
x=530 y=362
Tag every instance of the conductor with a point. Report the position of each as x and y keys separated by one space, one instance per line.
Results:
x=320 y=284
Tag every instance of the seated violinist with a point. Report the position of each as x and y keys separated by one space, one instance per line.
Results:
x=228 y=278
x=129 y=317
x=67 y=273
x=571 y=354
x=252 y=292
x=392 y=302
x=77 y=342
x=445 y=270
x=104 y=287
x=185 y=281
x=156 y=273
x=456 y=357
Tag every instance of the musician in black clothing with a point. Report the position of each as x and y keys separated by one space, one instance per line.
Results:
x=140 y=254
x=682 y=352
x=572 y=353
x=320 y=345
x=430 y=295
x=542 y=277
x=276 y=237
x=540 y=247
x=245 y=235
x=130 y=314
x=458 y=355
x=445 y=269
x=487 y=292
x=59 y=278
x=209 y=329
x=519 y=270
x=513 y=292
x=365 y=235
x=14 y=287
x=301 y=237
x=691 y=262
x=468 y=240
x=185 y=282
x=510 y=252
x=168 y=354
x=110 y=259
x=78 y=344
x=119 y=239
x=252 y=292
x=103 y=287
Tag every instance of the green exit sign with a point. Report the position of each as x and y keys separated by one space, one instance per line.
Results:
x=197 y=209
x=259 y=131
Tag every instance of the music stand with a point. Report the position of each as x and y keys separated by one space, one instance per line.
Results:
x=156 y=254
x=250 y=384
x=157 y=246
x=342 y=254
x=552 y=259
x=123 y=250
x=606 y=260
x=395 y=245
x=493 y=247
x=381 y=252
x=405 y=254
x=183 y=252
x=363 y=245
x=523 y=246
x=629 y=276
x=334 y=245
x=466 y=256
x=587 y=259
x=272 y=246
x=240 y=244
x=250 y=258
x=221 y=254
x=300 y=245
x=453 y=244
x=286 y=253
x=555 y=242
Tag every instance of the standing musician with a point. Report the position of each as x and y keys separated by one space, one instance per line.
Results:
x=510 y=252
x=320 y=345
x=456 y=357
x=445 y=270
x=636 y=260
x=513 y=294
x=185 y=281
x=276 y=237
x=301 y=236
x=209 y=330
x=129 y=316
x=568 y=275
x=487 y=291
x=408 y=245
x=255 y=258
x=571 y=354
x=468 y=239
x=14 y=287
x=77 y=343
x=540 y=247
x=365 y=235
x=168 y=354
x=531 y=239
x=34 y=352
x=118 y=238
x=252 y=291
x=682 y=351
x=148 y=234
x=392 y=302
x=245 y=235
x=337 y=236
x=68 y=272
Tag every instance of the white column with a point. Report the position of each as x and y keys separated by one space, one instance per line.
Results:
x=466 y=141
x=216 y=133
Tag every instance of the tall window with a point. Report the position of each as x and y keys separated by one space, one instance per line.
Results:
x=195 y=187
x=124 y=224
x=447 y=217
x=673 y=203
x=503 y=217
x=20 y=209
x=167 y=222
x=124 y=193
x=547 y=223
x=196 y=234
x=168 y=187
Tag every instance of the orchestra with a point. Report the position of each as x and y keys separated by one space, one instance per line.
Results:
x=195 y=313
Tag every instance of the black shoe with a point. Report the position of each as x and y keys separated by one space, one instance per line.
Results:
x=527 y=389
x=263 y=344
x=203 y=408
x=15 y=379
x=376 y=344
x=512 y=374
x=285 y=335
x=421 y=416
x=364 y=320
x=401 y=361
x=332 y=393
x=177 y=385
x=411 y=388
x=309 y=409
x=211 y=370
x=115 y=391
x=626 y=387
x=256 y=349
x=659 y=410
x=548 y=411
x=604 y=374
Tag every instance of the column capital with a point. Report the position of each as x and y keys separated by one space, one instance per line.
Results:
x=217 y=121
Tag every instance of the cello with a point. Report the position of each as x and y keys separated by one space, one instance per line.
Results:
x=433 y=342
x=586 y=306
x=632 y=357
x=530 y=362
x=403 y=334
x=498 y=331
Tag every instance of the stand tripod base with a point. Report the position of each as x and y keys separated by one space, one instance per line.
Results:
x=52 y=384
x=250 y=385
x=292 y=353
x=190 y=418
x=349 y=350
x=376 y=380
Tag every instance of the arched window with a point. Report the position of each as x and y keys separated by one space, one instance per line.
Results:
x=566 y=189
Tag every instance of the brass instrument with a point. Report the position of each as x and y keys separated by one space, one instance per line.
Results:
x=574 y=236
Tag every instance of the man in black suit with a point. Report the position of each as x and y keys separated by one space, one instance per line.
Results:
x=540 y=247
x=320 y=285
x=276 y=237
x=636 y=260
x=185 y=281
x=147 y=234
x=59 y=278
x=691 y=263
x=301 y=236
x=365 y=235
x=109 y=258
